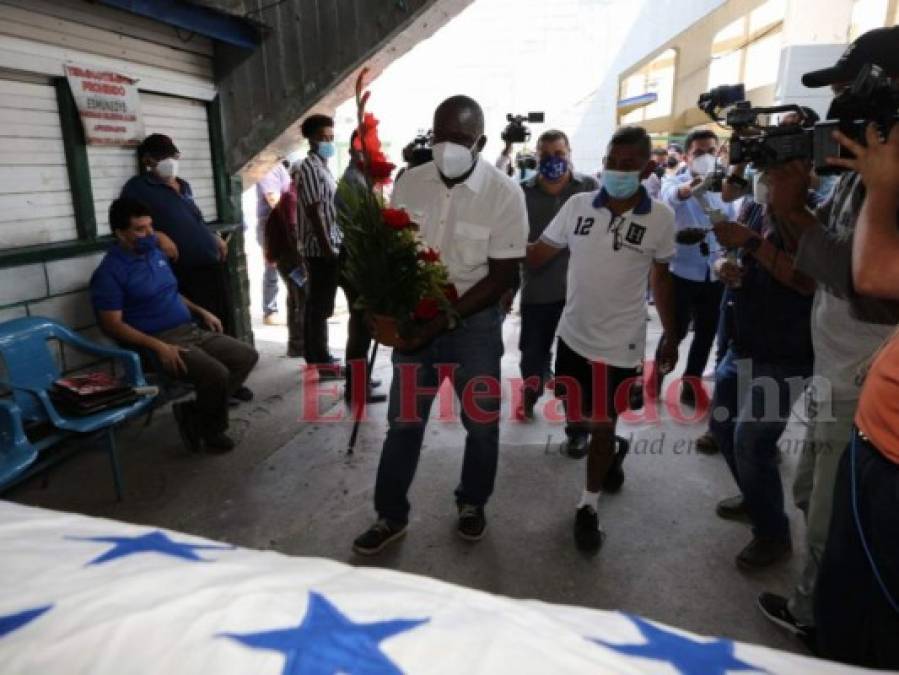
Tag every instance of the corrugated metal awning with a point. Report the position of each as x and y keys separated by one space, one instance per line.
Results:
x=227 y=28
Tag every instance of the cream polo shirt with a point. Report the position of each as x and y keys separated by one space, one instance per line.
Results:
x=483 y=217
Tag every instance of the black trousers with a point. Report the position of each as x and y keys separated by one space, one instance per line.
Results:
x=855 y=621
x=321 y=290
x=208 y=286
x=699 y=302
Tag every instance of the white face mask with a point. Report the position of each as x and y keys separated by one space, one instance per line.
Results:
x=760 y=188
x=703 y=165
x=167 y=168
x=452 y=159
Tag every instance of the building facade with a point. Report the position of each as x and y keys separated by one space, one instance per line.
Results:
x=765 y=44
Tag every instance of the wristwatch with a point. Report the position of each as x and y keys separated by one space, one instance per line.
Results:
x=752 y=244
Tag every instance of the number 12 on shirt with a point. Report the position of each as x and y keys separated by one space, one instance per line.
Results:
x=583 y=225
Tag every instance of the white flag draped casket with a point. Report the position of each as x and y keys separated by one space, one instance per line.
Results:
x=86 y=595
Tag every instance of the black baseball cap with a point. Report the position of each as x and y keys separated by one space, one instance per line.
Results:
x=879 y=46
x=157 y=146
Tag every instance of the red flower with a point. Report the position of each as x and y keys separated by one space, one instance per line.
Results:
x=381 y=170
x=451 y=293
x=396 y=219
x=429 y=255
x=427 y=309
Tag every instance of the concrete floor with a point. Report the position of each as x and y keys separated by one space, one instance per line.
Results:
x=289 y=486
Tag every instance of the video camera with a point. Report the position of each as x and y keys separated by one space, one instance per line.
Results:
x=871 y=98
x=516 y=131
x=420 y=151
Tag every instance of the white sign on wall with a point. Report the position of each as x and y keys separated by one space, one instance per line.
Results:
x=109 y=105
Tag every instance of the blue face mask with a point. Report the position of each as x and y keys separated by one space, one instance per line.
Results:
x=528 y=174
x=143 y=245
x=620 y=184
x=552 y=168
x=326 y=150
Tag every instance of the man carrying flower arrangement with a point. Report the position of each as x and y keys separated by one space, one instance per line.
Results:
x=473 y=218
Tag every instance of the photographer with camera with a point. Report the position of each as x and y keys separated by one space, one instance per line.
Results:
x=543 y=289
x=697 y=290
x=416 y=153
x=857 y=603
x=769 y=304
x=504 y=161
x=846 y=329
x=515 y=132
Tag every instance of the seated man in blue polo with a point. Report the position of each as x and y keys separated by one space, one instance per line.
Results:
x=136 y=298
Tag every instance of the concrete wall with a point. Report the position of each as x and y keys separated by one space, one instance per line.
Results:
x=58 y=290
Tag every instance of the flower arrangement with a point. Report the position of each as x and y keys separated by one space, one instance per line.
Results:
x=399 y=278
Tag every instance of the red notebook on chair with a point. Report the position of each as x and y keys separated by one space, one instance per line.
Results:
x=90 y=393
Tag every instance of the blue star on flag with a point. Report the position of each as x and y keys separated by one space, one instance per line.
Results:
x=152 y=542
x=689 y=657
x=327 y=642
x=12 y=622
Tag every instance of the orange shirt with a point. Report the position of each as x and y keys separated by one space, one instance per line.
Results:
x=878 y=408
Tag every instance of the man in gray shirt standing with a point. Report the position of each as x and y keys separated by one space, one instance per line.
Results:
x=543 y=289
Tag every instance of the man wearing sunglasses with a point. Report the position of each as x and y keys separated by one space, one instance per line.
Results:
x=616 y=237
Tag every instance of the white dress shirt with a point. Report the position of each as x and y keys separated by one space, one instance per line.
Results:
x=483 y=217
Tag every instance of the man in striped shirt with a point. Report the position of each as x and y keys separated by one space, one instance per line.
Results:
x=321 y=238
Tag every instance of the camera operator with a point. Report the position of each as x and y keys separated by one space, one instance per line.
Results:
x=749 y=185
x=543 y=289
x=770 y=305
x=697 y=290
x=857 y=604
x=504 y=161
x=846 y=329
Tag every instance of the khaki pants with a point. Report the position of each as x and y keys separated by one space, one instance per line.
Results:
x=813 y=487
x=217 y=365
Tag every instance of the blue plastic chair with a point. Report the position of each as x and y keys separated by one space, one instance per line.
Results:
x=31 y=371
x=17 y=453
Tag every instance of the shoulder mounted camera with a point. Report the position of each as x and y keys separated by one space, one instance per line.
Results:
x=516 y=131
x=420 y=149
x=871 y=98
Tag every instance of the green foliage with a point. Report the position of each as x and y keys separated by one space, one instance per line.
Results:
x=383 y=264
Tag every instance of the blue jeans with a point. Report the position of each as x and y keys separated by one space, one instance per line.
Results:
x=269 y=290
x=474 y=349
x=757 y=411
x=538 y=330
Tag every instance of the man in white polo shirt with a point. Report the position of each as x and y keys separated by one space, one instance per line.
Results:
x=476 y=217
x=616 y=238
